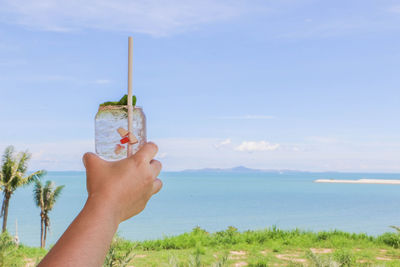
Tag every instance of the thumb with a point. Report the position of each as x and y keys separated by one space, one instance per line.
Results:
x=90 y=159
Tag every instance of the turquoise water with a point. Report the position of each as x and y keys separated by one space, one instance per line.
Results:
x=215 y=201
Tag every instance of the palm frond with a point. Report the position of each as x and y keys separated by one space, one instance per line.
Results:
x=47 y=191
x=13 y=170
x=33 y=177
x=54 y=196
x=49 y=195
x=45 y=196
x=57 y=192
x=49 y=184
x=8 y=154
x=38 y=194
x=8 y=163
x=23 y=161
x=12 y=181
x=397 y=228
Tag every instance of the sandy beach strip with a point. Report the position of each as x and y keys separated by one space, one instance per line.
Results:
x=359 y=181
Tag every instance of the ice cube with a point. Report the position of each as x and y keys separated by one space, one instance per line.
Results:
x=108 y=120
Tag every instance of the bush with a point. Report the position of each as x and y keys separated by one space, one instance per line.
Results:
x=9 y=254
x=260 y=263
x=120 y=253
x=345 y=258
x=390 y=239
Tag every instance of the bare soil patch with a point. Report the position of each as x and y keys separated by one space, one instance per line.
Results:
x=240 y=264
x=321 y=250
x=291 y=257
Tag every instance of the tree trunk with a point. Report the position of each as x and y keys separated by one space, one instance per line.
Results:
x=6 y=201
x=41 y=230
x=45 y=233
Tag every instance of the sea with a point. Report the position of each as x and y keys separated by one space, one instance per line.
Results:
x=214 y=200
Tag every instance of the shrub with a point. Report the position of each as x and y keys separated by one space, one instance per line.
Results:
x=260 y=262
x=9 y=255
x=390 y=239
x=120 y=253
x=345 y=258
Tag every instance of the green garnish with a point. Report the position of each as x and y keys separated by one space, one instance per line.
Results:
x=122 y=102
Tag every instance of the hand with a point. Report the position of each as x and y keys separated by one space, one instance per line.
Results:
x=116 y=191
x=123 y=187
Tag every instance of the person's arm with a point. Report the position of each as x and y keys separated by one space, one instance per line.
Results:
x=116 y=191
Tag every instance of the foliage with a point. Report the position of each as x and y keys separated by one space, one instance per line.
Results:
x=119 y=254
x=12 y=176
x=274 y=236
x=260 y=263
x=122 y=102
x=397 y=228
x=173 y=261
x=32 y=252
x=222 y=262
x=45 y=198
x=260 y=248
x=13 y=170
x=344 y=257
x=9 y=254
x=390 y=239
x=195 y=259
x=321 y=261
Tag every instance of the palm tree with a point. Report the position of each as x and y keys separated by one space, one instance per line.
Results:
x=12 y=176
x=45 y=197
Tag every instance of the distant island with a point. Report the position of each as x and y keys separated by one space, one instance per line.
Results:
x=359 y=181
x=241 y=169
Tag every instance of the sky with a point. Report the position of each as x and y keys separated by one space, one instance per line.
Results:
x=285 y=84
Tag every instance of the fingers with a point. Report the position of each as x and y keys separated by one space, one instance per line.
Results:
x=157 y=185
x=147 y=152
x=155 y=166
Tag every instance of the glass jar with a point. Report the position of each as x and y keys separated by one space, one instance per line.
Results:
x=108 y=140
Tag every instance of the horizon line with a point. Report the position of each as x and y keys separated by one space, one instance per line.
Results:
x=259 y=170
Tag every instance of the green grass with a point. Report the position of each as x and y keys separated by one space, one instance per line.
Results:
x=267 y=247
x=272 y=238
x=12 y=255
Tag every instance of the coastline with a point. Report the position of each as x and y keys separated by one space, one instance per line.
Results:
x=359 y=181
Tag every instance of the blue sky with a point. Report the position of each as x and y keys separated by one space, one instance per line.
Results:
x=309 y=85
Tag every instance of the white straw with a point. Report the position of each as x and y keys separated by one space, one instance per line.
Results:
x=130 y=107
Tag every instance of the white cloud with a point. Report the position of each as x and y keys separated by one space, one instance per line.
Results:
x=194 y=153
x=155 y=17
x=248 y=117
x=225 y=142
x=62 y=155
x=162 y=18
x=251 y=146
